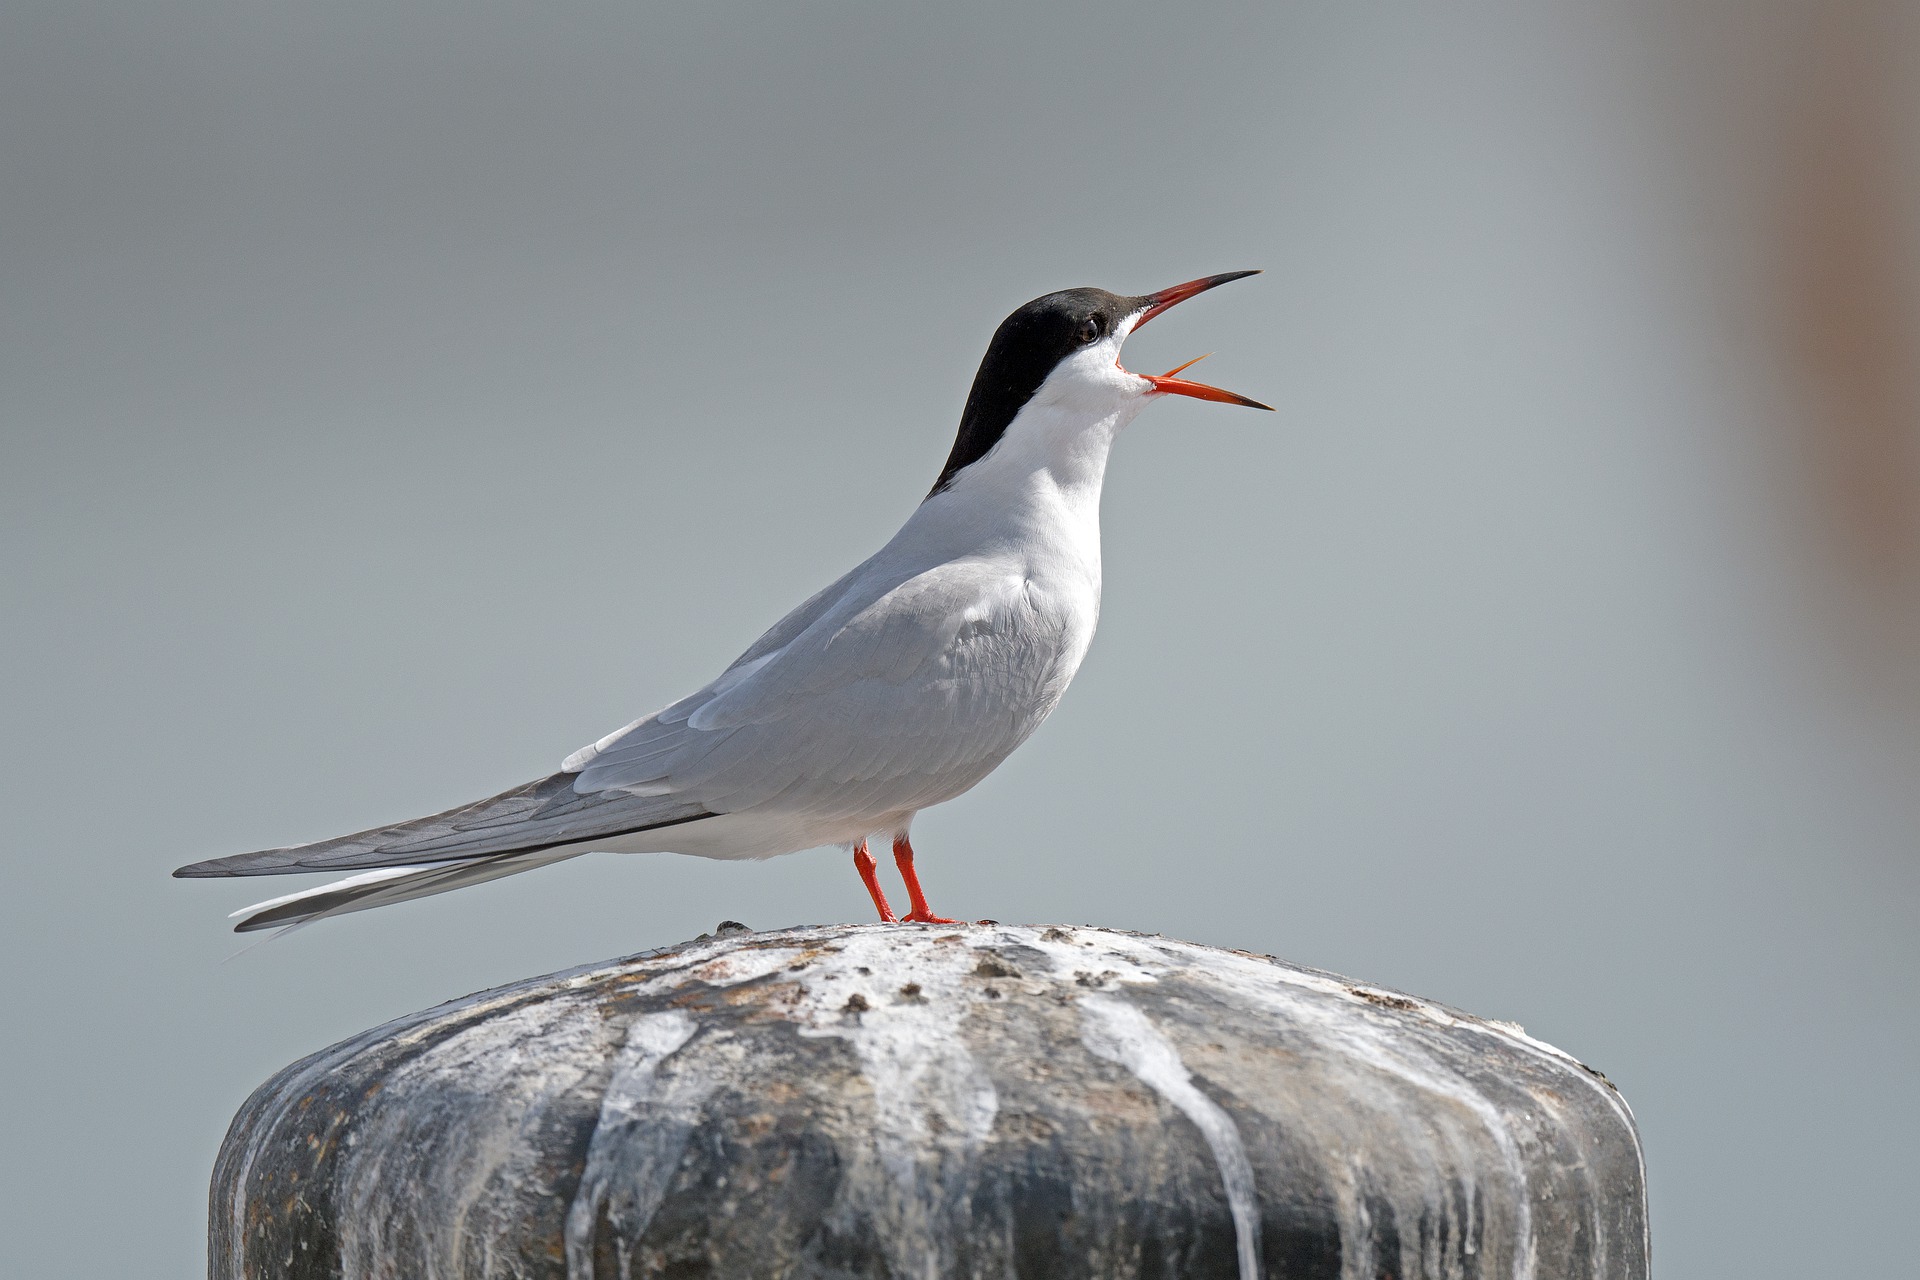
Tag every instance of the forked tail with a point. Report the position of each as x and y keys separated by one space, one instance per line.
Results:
x=386 y=886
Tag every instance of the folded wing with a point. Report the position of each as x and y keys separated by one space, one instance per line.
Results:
x=875 y=696
x=889 y=698
x=528 y=819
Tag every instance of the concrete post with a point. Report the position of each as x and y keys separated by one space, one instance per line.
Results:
x=910 y=1101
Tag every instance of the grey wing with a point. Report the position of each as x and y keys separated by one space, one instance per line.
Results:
x=887 y=698
x=528 y=819
x=617 y=760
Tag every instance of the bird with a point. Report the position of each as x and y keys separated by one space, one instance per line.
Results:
x=897 y=687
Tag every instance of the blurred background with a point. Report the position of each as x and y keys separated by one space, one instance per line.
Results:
x=396 y=398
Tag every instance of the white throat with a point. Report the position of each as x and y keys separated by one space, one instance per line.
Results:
x=1057 y=445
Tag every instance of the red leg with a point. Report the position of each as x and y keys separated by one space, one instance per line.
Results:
x=921 y=913
x=863 y=863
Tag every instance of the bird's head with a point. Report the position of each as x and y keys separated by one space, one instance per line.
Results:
x=1063 y=351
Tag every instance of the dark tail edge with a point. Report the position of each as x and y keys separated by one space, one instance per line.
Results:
x=239 y=864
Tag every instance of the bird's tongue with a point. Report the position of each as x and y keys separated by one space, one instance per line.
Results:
x=1167 y=384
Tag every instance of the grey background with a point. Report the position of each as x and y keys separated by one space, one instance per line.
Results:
x=398 y=397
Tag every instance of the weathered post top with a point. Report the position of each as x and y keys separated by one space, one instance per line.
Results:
x=904 y=1101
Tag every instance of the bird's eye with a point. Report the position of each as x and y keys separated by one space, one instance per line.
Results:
x=1090 y=330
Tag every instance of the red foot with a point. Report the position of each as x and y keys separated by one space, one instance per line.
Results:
x=863 y=863
x=921 y=913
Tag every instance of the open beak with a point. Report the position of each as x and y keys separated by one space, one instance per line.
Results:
x=1166 y=383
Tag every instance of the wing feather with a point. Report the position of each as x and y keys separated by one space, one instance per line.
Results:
x=540 y=815
x=899 y=693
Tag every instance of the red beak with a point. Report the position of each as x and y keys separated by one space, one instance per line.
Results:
x=1158 y=302
x=1166 y=383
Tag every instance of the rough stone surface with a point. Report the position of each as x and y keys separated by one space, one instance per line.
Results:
x=904 y=1101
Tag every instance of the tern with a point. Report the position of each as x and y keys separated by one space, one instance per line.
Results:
x=897 y=687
